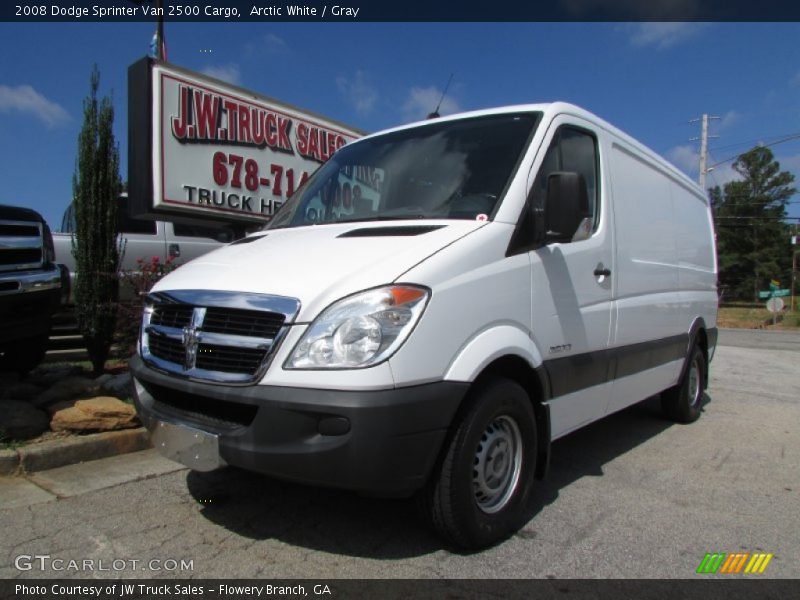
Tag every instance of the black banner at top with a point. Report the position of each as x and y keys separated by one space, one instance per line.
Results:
x=406 y=10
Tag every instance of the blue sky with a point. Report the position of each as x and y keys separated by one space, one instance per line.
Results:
x=648 y=79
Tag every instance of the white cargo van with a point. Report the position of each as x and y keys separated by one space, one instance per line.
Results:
x=438 y=304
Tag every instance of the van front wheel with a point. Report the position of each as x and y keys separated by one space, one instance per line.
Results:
x=479 y=493
x=684 y=402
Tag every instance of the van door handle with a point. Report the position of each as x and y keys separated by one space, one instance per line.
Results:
x=602 y=271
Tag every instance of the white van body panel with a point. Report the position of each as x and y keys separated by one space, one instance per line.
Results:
x=313 y=264
x=664 y=248
x=476 y=289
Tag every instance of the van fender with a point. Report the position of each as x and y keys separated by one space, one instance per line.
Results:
x=502 y=340
x=697 y=325
x=487 y=346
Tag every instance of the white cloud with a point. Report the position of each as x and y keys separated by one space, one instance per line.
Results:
x=229 y=73
x=729 y=118
x=661 y=35
x=274 y=43
x=790 y=163
x=358 y=92
x=721 y=174
x=687 y=159
x=422 y=101
x=25 y=99
x=269 y=44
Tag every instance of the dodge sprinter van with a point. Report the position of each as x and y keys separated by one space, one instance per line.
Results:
x=433 y=308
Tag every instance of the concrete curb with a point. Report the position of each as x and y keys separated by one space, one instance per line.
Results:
x=9 y=462
x=67 y=451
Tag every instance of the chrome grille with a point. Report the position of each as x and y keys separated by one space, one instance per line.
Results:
x=172 y=316
x=221 y=337
x=21 y=245
x=229 y=360
x=243 y=322
x=167 y=348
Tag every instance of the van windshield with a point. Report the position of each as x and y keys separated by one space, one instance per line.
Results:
x=441 y=170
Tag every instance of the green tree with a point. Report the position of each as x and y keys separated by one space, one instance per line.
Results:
x=752 y=235
x=96 y=186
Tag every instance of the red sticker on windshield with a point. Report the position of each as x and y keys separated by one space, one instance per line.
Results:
x=482 y=217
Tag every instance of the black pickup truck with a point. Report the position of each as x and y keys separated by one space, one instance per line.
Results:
x=30 y=288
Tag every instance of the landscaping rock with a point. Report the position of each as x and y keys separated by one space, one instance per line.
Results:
x=66 y=389
x=103 y=379
x=21 y=421
x=46 y=375
x=102 y=413
x=120 y=385
x=7 y=377
x=19 y=391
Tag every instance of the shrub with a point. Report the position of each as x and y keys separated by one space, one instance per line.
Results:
x=140 y=282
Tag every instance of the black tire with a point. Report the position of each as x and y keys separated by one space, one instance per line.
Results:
x=468 y=503
x=684 y=402
x=24 y=355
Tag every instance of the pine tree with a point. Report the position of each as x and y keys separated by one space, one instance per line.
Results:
x=96 y=186
x=752 y=235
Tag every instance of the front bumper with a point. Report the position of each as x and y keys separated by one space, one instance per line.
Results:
x=27 y=300
x=383 y=442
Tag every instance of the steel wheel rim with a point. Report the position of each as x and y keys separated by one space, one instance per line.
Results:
x=694 y=383
x=497 y=464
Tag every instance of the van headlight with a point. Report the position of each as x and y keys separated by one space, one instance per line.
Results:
x=360 y=330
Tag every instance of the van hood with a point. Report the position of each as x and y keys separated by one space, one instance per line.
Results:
x=318 y=264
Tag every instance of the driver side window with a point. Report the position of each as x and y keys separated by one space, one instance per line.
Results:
x=572 y=149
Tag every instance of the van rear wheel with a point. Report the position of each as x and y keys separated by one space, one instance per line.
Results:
x=684 y=402
x=479 y=492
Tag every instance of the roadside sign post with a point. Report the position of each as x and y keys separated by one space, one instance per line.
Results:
x=773 y=296
x=794 y=267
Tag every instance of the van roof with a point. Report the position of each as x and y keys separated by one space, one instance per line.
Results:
x=551 y=110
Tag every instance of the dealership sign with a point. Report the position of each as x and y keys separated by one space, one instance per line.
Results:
x=201 y=147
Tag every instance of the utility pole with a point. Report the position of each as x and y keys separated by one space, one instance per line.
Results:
x=704 y=137
x=795 y=239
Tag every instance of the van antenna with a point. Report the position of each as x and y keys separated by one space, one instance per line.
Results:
x=435 y=114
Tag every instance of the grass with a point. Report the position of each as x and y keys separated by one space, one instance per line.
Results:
x=755 y=316
x=113 y=365
x=7 y=443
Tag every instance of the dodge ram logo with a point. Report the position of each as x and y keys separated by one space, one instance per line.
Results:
x=191 y=338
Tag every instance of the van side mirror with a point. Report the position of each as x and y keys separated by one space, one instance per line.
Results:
x=566 y=205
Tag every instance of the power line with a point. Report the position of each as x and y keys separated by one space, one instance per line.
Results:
x=781 y=141
x=754 y=141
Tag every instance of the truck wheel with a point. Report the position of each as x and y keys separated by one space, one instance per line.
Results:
x=683 y=402
x=479 y=492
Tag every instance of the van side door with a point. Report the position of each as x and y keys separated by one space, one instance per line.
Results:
x=649 y=342
x=571 y=297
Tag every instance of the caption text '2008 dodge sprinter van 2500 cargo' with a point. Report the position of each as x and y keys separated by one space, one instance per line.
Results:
x=435 y=306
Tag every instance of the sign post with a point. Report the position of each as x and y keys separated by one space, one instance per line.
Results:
x=773 y=296
x=794 y=267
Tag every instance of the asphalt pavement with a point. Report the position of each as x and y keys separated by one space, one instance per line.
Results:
x=633 y=495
